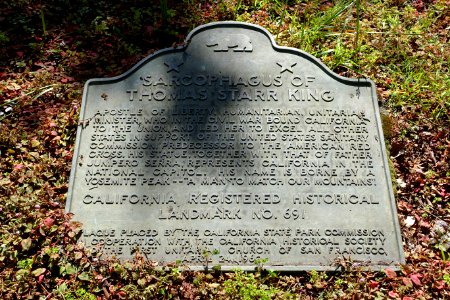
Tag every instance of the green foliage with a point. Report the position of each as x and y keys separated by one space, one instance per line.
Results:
x=248 y=286
x=25 y=264
x=446 y=278
x=79 y=294
x=3 y=38
x=259 y=262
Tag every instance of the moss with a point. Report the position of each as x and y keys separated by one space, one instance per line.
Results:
x=387 y=123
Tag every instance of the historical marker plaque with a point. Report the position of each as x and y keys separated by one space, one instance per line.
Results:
x=233 y=149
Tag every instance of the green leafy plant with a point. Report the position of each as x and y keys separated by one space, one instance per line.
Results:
x=247 y=286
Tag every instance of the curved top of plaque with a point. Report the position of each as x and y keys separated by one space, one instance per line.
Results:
x=241 y=41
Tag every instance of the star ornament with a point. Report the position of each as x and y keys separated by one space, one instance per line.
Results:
x=286 y=67
x=173 y=65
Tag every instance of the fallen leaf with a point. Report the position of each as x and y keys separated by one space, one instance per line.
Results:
x=35 y=143
x=100 y=278
x=67 y=79
x=12 y=86
x=68 y=269
x=439 y=284
x=26 y=244
x=407 y=281
x=416 y=279
x=393 y=294
x=373 y=284
x=390 y=273
x=38 y=272
x=49 y=222
x=84 y=276
x=425 y=224
x=78 y=255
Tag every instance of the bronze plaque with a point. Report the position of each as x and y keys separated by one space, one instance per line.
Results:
x=233 y=151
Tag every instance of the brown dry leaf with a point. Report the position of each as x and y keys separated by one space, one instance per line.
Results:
x=26 y=244
x=12 y=86
x=390 y=273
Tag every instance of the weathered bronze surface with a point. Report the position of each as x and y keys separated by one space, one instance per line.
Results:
x=233 y=150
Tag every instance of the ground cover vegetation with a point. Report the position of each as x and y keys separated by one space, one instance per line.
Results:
x=49 y=48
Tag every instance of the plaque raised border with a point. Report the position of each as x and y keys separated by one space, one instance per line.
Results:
x=289 y=243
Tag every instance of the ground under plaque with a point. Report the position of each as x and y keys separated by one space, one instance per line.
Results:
x=233 y=149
